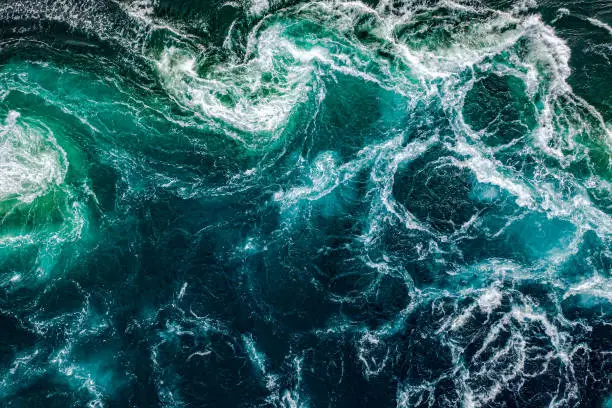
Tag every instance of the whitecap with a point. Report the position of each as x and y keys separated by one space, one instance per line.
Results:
x=31 y=160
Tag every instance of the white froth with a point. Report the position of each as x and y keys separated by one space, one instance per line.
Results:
x=257 y=96
x=258 y=7
x=600 y=24
x=490 y=300
x=597 y=286
x=31 y=161
x=324 y=177
x=373 y=354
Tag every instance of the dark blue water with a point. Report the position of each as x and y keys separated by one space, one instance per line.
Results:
x=305 y=204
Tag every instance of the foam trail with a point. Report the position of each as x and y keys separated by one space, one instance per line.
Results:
x=600 y=24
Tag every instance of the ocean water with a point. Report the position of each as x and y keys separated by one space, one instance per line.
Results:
x=285 y=203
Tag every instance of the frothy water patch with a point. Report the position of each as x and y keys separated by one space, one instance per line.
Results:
x=253 y=99
x=31 y=161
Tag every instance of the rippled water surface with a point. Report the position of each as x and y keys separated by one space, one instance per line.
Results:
x=285 y=203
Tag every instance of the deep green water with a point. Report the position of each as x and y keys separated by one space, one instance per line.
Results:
x=305 y=204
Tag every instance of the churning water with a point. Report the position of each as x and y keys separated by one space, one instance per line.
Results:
x=284 y=203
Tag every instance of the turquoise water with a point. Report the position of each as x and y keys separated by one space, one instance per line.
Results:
x=305 y=204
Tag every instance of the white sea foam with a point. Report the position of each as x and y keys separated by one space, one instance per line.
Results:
x=284 y=397
x=258 y=7
x=490 y=300
x=597 y=287
x=373 y=355
x=255 y=97
x=31 y=160
x=600 y=24
x=89 y=16
x=32 y=165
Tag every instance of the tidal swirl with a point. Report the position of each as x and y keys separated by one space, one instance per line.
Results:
x=303 y=203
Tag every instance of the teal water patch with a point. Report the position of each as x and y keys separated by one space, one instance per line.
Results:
x=499 y=106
